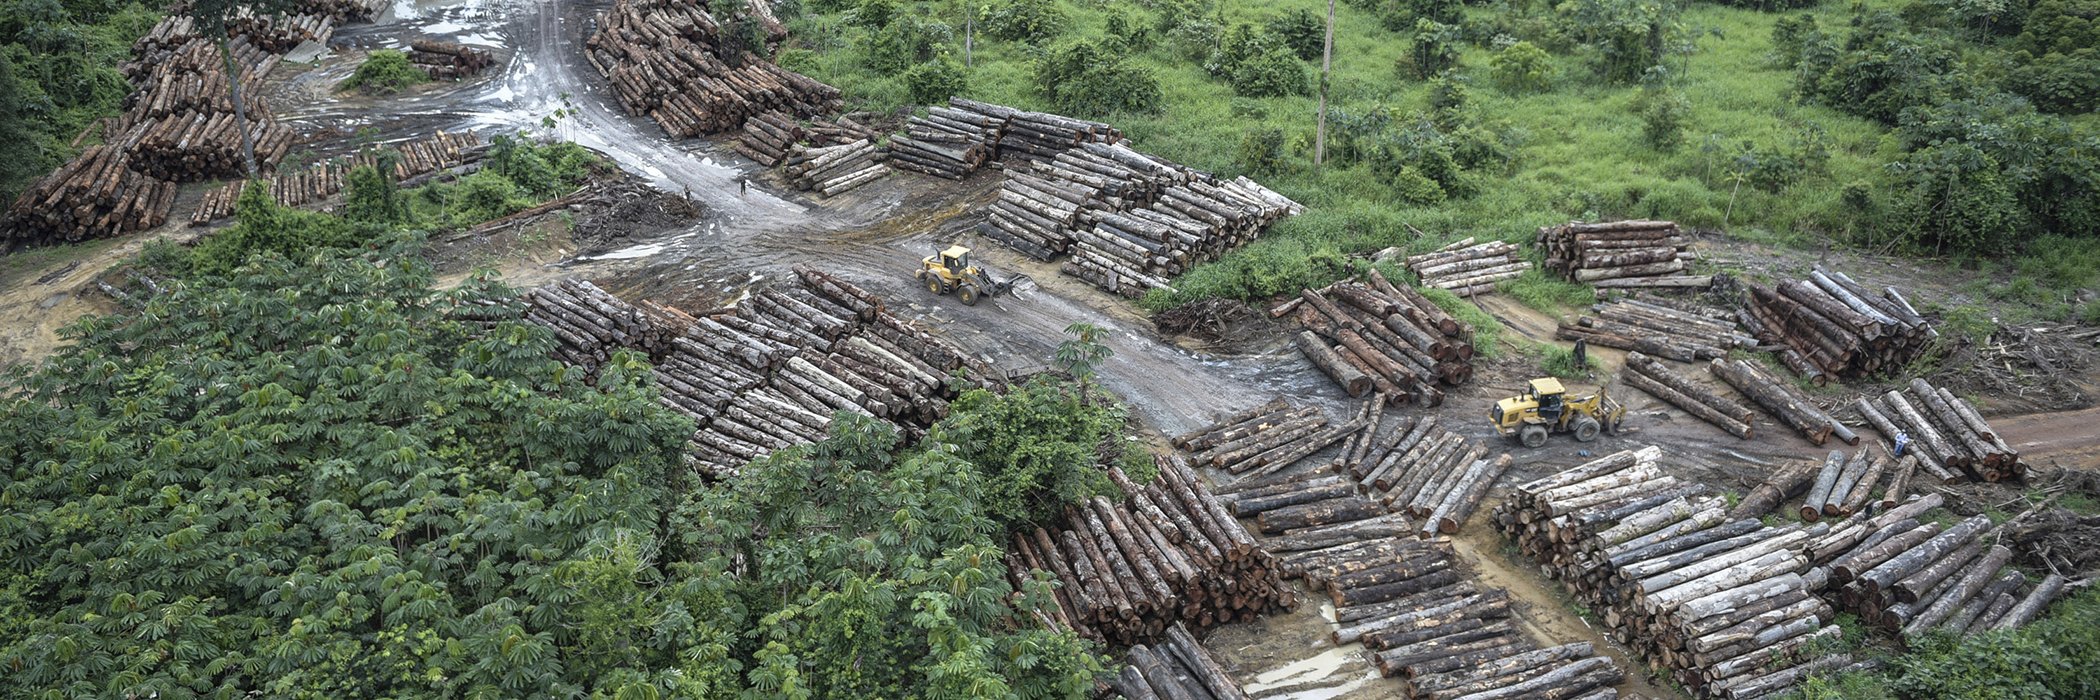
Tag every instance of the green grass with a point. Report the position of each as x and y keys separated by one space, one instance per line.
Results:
x=1578 y=148
x=1560 y=362
x=1540 y=290
x=385 y=71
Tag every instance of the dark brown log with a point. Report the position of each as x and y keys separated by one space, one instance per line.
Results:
x=1790 y=481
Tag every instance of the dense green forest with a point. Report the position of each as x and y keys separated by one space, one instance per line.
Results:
x=1935 y=126
x=311 y=473
x=59 y=73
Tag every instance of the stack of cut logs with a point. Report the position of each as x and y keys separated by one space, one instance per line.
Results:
x=1037 y=134
x=1167 y=553
x=1669 y=330
x=1380 y=337
x=769 y=374
x=830 y=170
x=1944 y=430
x=181 y=123
x=1782 y=400
x=770 y=137
x=1832 y=326
x=1174 y=669
x=947 y=142
x=1415 y=467
x=1466 y=268
x=94 y=195
x=1620 y=254
x=273 y=34
x=1844 y=486
x=344 y=10
x=445 y=60
x=1042 y=208
x=1650 y=375
x=320 y=182
x=664 y=58
x=1904 y=575
x=1130 y=252
x=1727 y=605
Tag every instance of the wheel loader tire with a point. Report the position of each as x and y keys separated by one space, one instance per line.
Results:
x=933 y=284
x=1533 y=436
x=1586 y=429
x=968 y=294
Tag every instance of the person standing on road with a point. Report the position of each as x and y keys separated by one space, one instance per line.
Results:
x=743 y=186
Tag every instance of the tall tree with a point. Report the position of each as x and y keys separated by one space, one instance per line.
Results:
x=215 y=19
x=1326 y=66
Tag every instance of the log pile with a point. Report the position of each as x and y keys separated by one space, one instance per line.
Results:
x=1844 y=486
x=1374 y=336
x=1650 y=375
x=95 y=195
x=1133 y=251
x=444 y=60
x=1466 y=268
x=1620 y=254
x=1910 y=577
x=1166 y=554
x=344 y=10
x=830 y=170
x=664 y=59
x=770 y=373
x=1036 y=135
x=1670 y=331
x=1946 y=432
x=1174 y=668
x=1414 y=468
x=1781 y=400
x=1043 y=206
x=947 y=142
x=325 y=180
x=1830 y=326
x=270 y=33
x=768 y=137
x=1726 y=606
x=192 y=146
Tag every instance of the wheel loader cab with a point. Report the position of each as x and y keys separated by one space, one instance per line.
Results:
x=956 y=259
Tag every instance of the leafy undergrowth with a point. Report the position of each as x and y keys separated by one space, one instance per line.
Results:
x=385 y=71
x=2057 y=657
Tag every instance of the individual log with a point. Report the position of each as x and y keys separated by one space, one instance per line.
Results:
x=2031 y=606
x=1793 y=480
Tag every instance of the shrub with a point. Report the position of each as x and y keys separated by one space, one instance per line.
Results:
x=1123 y=33
x=1261 y=152
x=1083 y=79
x=874 y=13
x=540 y=170
x=1664 y=114
x=1791 y=36
x=1273 y=73
x=2059 y=83
x=1301 y=30
x=1040 y=447
x=370 y=197
x=1032 y=21
x=385 y=71
x=261 y=226
x=1434 y=48
x=1954 y=198
x=1444 y=11
x=1522 y=67
x=935 y=81
x=907 y=41
x=1631 y=36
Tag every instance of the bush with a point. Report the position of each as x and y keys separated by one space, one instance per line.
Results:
x=1274 y=73
x=385 y=71
x=540 y=170
x=1083 y=79
x=262 y=226
x=1040 y=448
x=1522 y=67
x=874 y=13
x=371 y=198
x=1125 y=34
x=2059 y=83
x=1954 y=198
x=935 y=81
x=1032 y=21
x=1434 y=48
x=1664 y=114
x=1261 y=152
x=907 y=41
x=1301 y=30
x=1631 y=36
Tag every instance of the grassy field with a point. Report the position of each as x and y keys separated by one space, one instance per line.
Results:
x=1577 y=149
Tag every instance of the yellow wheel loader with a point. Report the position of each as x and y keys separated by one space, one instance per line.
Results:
x=952 y=271
x=1545 y=408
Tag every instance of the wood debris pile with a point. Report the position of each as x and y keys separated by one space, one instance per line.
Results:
x=1466 y=268
x=1167 y=553
x=667 y=59
x=770 y=373
x=1726 y=605
x=1378 y=337
x=1660 y=328
x=1908 y=576
x=1620 y=254
x=318 y=183
x=1945 y=431
x=1832 y=326
x=444 y=60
